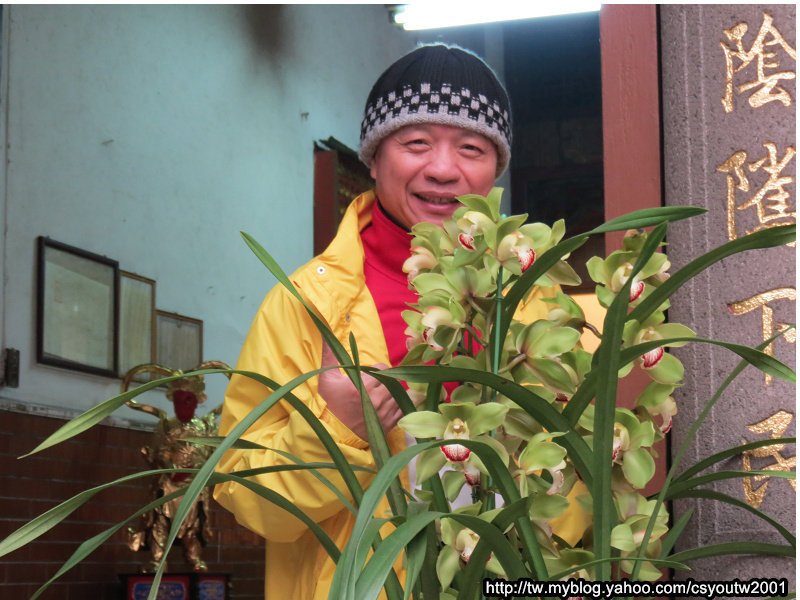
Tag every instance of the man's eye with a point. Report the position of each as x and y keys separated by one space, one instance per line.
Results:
x=473 y=149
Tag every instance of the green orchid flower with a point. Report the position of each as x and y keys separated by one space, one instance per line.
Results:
x=542 y=454
x=455 y=421
x=613 y=273
x=657 y=401
x=459 y=544
x=661 y=367
x=634 y=513
x=540 y=347
x=630 y=449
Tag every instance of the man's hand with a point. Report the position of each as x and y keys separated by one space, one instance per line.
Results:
x=344 y=400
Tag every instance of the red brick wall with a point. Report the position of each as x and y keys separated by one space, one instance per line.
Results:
x=31 y=486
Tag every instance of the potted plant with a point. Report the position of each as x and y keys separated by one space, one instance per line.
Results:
x=534 y=415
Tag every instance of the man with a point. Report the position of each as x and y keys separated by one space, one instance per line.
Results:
x=437 y=125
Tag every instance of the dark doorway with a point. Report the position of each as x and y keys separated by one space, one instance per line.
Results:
x=552 y=72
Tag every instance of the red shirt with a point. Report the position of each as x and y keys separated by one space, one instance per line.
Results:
x=387 y=245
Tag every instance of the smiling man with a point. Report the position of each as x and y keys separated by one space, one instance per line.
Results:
x=437 y=125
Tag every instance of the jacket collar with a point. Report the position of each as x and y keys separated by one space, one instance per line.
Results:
x=343 y=260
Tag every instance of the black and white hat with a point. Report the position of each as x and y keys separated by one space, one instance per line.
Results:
x=438 y=84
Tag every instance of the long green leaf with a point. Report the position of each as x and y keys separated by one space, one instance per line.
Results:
x=40 y=525
x=688 y=484
x=766 y=238
x=668 y=564
x=672 y=536
x=378 y=444
x=684 y=447
x=609 y=361
x=719 y=497
x=371 y=580
x=90 y=545
x=96 y=414
x=474 y=571
x=376 y=437
x=726 y=549
x=346 y=575
x=312 y=467
x=281 y=392
x=730 y=453
x=415 y=554
x=279 y=274
x=761 y=360
x=648 y=217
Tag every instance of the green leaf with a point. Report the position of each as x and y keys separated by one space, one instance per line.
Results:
x=733 y=548
x=90 y=545
x=648 y=217
x=762 y=361
x=719 y=497
x=689 y=438
x=765 y=238
x=678 y=487
x=608 y=363
x=731 y=452
x=95 y=415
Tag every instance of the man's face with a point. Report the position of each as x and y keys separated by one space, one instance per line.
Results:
x=420 y=169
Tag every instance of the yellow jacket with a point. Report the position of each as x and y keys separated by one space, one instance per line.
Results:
x=282 y=344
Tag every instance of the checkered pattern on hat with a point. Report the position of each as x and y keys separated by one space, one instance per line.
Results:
x=443 y=85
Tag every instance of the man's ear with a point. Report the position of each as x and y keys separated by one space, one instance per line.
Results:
x=372 y=167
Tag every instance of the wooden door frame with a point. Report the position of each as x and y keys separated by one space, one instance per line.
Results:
x=632 y=139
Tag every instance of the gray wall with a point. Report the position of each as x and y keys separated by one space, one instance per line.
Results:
x=738 y=297
x=153 y=135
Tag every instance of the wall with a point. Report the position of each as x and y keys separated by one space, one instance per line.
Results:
x=719 y=122
x=154 y=134
x=31 y=486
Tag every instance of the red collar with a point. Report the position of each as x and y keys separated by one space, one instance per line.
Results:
x=387 y=245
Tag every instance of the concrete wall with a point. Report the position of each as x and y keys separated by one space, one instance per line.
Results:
x=714 y=143
x=153 y=135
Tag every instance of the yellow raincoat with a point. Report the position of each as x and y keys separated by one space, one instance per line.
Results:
x=282 y=344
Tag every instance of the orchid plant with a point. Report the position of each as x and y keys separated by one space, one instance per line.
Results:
x=533 y=415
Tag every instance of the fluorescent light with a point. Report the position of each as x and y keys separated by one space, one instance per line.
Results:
x=433 y=15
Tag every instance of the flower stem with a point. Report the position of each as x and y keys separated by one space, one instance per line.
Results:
x=593 y=329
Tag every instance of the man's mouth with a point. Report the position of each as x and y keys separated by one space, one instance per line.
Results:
x=436 y=199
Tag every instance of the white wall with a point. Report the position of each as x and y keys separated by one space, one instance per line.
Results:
x=153 y=135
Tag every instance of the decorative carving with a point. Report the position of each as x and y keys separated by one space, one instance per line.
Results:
x=767 y=77
x=170 y=450
x=768 y=325
x=776 y=426
x=772 y=202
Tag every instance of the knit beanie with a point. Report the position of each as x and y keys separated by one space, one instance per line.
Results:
x=438 y=84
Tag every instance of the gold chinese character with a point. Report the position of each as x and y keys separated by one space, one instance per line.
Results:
x=768 y=325
x=772 y=201
x=765 y=84
x=776 y=426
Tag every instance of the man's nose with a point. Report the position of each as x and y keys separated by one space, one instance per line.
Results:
x=442 y=166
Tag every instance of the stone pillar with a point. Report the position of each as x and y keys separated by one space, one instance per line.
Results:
x=729 y=106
